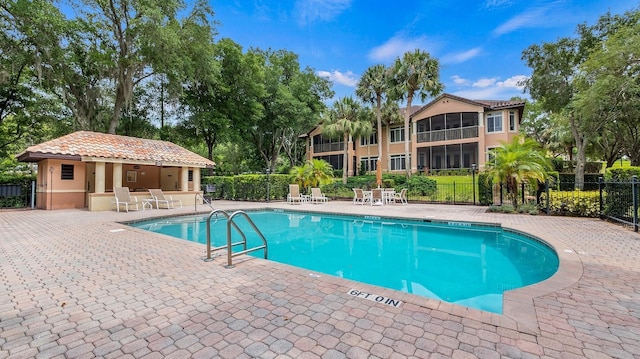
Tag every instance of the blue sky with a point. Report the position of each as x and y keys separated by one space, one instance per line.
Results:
x=478 y=43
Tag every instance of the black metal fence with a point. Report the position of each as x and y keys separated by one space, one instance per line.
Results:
x=619 y=201
x=17 y=195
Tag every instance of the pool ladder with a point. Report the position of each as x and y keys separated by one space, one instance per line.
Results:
x=229 y=246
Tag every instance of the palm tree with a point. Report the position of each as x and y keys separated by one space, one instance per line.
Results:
x=371 y=88
x=300 y=177
x=313 y=173
x=515 y=162
x=347 y=119
x=415 y=73
x=320 y=172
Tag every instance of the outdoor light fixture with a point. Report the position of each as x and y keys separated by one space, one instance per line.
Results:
x=159 y=163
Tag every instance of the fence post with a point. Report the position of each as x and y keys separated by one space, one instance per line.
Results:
x=522 y=189
x=501 y=193
x=634 y=186
x=546 y=189
x=33 y=194
x=600 y=188
x=454 y=192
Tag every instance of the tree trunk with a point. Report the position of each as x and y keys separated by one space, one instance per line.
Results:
x=407 y=161
x=345 y=160
x=117 y=108
x=581 y=155
x=379 y=134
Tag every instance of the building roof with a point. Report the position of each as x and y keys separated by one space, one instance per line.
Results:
x=487 y=104
x=93 y=146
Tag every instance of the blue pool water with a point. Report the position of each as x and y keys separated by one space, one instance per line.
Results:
x=471 y=265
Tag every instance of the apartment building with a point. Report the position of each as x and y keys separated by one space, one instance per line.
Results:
x=450 y=132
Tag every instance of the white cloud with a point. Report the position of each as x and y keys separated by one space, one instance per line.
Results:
x=492 y=89
x=461 y=56
x=512 y=82
x=348 y=78
x=308 y=11
x=530 y=18
x=396 y=46
x=482 y=83
x=459 y=80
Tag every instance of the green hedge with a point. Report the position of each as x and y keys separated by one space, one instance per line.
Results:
x=251 y=187
x=567 y=181
x=621 y=174
x=573 y=203
x=485 y=189
x=562 y=166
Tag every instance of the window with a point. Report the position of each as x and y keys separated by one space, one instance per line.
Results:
x=66 y=172
x=512 y=121
x=397 y=134
x=494 y=122
x=372 y=140
x=190 y=175
x=368 y=163
x=398 y=162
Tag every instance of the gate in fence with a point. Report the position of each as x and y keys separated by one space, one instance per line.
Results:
x=619 y=201
x=17 y=195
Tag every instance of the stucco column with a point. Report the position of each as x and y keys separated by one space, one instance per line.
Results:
x=347 y=161
x=117 y=175
x=414 y=147
x=196 y=178
x=481 y=142
x=184 y=179
x=99 y=178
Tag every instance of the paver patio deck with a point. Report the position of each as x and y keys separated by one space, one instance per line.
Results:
x=77 y=284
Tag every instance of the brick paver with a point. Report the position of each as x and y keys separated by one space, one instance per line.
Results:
x=79 y=284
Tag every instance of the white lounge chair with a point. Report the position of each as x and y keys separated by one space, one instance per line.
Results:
x=125 y=200
x=165 y=201
x=294 y=194
x=317 y=196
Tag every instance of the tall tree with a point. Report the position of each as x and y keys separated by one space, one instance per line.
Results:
x=416 y=73
x=557 y=68
x=291 y=104
x=372 y=88
x=26 y=105
x=347 y=119
x=609 y=88
x=140 y=38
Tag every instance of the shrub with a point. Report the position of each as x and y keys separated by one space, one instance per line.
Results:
x=505 y=208
x=574 y=203
x=421 y=186
x=485 y=189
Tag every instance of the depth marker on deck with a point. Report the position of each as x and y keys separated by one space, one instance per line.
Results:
x=375 y=298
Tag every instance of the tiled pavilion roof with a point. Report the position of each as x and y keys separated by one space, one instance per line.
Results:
x=92 y=146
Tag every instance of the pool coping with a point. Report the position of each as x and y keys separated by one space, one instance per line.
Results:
x=518 y=310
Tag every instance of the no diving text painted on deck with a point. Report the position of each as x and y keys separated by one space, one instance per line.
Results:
x=376 y=298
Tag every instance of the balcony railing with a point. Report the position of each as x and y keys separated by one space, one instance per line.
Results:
x=448 y=134
x=328 y=147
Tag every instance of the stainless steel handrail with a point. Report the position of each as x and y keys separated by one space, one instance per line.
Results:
x=229 y=246
x=204 y=200
x=229 y=253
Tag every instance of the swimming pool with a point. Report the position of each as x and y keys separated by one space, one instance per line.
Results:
x=458 y=262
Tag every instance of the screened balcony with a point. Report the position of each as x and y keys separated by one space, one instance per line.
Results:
x=446 y=127
x=321 y=144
